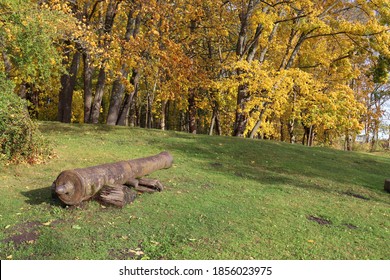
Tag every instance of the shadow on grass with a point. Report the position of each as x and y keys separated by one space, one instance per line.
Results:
x=39 y=196
x=47 y=128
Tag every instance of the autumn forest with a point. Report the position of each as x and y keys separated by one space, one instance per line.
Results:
x=308 y=72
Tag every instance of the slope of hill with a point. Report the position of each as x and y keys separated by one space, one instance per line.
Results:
x=225 y=198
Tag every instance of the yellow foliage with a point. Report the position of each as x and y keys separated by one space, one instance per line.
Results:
x=77 y=107
x=297 y=60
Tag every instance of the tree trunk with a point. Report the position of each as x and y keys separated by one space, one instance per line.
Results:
x=97 y=101
x=295 y=51
x=88 y=71
x=123 y=119
x=118 y=88
x=128 y=103
x=133 y=115
x=149 y=115
x=212 y=124
x=162 y=119
x=111 y=12
x=242 y=49
x=257 y=125
x=291 y=131
x=26 y=91
x=241 y=117
x=116 y=98
x=291 y=122
x=375 y=135
x=308 y=135
x=348 y=142
x=215 y=121
x=291 y=38
x=255 y=129
x=218 y=124
x=264 y=51
x=192 y=113
x=311 y=136
x=255 y=43
x=68 y=82
x=282 y=136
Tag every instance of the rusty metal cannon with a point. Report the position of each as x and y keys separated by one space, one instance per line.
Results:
x=111 y=182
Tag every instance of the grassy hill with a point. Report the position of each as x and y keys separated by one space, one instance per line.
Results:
x=225 y=198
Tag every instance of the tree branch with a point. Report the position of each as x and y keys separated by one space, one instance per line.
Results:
x=94 y=9
x=276 y=4
x=292 y=19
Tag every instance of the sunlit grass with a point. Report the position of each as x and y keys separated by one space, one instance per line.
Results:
x=225 y=198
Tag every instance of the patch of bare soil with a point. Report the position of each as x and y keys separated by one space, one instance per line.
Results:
x=350 y=226
x=126 y=254
x=319 y=220
x=356 y=195
x=24 y=233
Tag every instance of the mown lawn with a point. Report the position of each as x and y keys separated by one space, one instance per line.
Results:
x=225 y=198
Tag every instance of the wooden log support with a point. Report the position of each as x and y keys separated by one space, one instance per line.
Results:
x=76 y=185
x=117 y=195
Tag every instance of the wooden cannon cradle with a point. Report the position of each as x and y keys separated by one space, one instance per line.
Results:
x=77 y=185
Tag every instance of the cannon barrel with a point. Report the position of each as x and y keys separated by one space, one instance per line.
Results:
x=76 y=185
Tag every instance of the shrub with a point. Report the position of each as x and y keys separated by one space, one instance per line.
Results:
x=20 y=139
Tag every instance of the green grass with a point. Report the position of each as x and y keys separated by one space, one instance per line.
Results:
x=225 y=198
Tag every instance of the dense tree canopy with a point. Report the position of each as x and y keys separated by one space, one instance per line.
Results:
x=308 y=71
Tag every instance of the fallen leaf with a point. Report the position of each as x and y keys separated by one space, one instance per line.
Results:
x=311 y=241
x=47 y=223
x=9 y=257
x=7 y=226
x=76 y=227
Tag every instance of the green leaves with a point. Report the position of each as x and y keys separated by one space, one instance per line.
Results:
x=20 y=139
